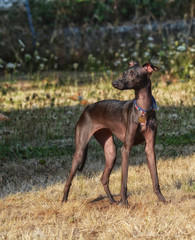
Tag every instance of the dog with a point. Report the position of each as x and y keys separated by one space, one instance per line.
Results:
x=133 y=122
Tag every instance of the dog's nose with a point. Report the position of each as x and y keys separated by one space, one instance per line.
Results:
x=115 y=83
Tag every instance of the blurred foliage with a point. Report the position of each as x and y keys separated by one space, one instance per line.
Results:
x=174 y=54
x=80 y=12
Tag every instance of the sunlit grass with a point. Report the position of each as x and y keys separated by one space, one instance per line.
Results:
x=40 y=215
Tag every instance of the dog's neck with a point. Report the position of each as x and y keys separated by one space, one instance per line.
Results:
x=143 y=97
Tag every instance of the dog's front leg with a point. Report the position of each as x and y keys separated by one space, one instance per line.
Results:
x=151 y=158
x=125 y=151
x=124 y=168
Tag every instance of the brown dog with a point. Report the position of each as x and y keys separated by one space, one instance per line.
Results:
x=133 y=122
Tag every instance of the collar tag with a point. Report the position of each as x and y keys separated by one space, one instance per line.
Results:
x=142 y=121
x=143 y=118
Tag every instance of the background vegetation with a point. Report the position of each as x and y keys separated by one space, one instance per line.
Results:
x=80 y=12
x=63 y=30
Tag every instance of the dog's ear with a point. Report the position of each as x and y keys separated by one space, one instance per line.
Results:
x=133 y=63
x=150 y=67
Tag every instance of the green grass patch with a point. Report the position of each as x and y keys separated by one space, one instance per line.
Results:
x=176 y=140
x=43 y=119
x=21 y=153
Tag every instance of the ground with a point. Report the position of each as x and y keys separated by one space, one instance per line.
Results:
x=36 y=150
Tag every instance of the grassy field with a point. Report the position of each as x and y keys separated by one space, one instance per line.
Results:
x=36 y=148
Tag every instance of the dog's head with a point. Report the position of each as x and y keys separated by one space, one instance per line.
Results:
x=135 y=77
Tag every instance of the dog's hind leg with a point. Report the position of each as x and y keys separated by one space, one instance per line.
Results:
x=81 y=139
x=105 y=138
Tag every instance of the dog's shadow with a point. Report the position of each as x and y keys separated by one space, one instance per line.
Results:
x=101 y=197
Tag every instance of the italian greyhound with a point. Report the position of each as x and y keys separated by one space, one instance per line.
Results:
x=133 y=122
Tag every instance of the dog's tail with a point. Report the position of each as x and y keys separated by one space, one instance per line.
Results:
x=83 y=159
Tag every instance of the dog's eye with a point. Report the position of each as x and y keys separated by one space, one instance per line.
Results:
x=132 y=73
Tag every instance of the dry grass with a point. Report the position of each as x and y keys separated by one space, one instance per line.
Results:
x=35 y=156
x=39 y=214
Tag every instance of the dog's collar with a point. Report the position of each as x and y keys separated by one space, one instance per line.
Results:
x=144 y=113
x=152 y=107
